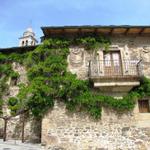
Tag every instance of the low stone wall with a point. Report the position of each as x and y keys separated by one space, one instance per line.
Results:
x=32 y=129
x=63 y=130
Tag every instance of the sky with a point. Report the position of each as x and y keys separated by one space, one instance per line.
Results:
x=17 y=15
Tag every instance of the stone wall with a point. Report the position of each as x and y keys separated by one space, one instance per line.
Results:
x=62 y=130
x=14 y=127
x=131 y=48
x=128 y=131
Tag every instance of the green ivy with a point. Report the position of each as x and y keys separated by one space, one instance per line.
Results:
x=93 y=43
x=49 y=80
x=14 y=75
x=6 y=72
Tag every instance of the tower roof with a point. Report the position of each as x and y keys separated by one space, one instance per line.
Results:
x=28 y=32
x=29 y=29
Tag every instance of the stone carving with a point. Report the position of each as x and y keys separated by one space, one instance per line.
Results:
x=113 y=47
x=145 y=53
x=76 y=57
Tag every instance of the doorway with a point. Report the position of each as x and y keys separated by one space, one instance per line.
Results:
x=112 y=64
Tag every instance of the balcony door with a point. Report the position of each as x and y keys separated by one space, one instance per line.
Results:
x=112 y=64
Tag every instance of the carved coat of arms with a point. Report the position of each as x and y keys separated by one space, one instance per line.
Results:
x=76 y=56
x=145 y=53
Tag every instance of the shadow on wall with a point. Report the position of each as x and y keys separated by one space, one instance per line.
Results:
x=36 y=126
x=29 y=131
x=1 y=133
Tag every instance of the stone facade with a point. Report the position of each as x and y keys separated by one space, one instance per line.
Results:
x=66 y=131
x=131 y=48
x=62 y=130
x=129 y=131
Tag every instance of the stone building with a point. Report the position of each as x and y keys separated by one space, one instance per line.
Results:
x=113 y=73
x=26 y=43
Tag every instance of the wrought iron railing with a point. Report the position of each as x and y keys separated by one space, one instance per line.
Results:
x=115 y=68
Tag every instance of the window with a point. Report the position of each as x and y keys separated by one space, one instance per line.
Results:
x=26 y=42
x=22 y=43
x=116 y=59
x=107 y=59
x=112 y=63
x=144 y=106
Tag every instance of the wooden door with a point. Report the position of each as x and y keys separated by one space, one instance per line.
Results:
x=112 y=64
x=143 y=106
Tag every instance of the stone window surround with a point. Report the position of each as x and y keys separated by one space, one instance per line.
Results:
x=100 y=56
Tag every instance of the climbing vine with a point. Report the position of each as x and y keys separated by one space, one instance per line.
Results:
x=49 y=80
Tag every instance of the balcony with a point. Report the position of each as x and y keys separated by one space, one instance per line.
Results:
x=114 y=77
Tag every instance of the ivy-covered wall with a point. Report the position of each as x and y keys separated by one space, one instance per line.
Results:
x=57 y=70
x=119 y=118
x=49 y=79
x=10 y=89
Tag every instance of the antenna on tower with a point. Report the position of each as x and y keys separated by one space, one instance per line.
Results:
x=30 y=23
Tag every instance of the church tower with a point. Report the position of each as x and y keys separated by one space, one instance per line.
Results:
x=28 y=38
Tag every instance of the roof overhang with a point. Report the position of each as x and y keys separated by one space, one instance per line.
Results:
x=105 y=30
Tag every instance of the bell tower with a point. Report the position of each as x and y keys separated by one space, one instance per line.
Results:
x=28 y=38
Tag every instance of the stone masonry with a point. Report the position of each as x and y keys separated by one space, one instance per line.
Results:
x=66 y=131
x=128 y=131
x=62 y=130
